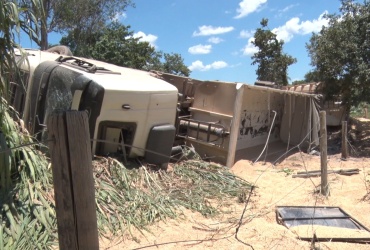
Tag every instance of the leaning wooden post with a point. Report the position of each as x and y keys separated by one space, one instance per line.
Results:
x=70 y=152
x=323 y=154
x=344 y=140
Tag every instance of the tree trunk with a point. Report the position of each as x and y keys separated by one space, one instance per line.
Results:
x=44 y=44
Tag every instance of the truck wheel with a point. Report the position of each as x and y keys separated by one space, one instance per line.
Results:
x=61 y=50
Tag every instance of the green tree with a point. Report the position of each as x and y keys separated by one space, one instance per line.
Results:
x=174 y=64
x=10 y=26
x=340 y=53
x=82 y=17
x=272 y=62
x=312 y=76
x=298 y=82
x=115 y=44
x=309 y=77
x=77 y=47
x=118 y=46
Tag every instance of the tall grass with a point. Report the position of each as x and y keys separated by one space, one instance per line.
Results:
x=26 y=194
x=140 y=196
x=27 y=214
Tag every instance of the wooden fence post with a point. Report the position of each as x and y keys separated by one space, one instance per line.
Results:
x=323 y=154
x=70 y=151
x=344 y=140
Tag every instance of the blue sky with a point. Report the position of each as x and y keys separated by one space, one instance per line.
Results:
x=214 y=36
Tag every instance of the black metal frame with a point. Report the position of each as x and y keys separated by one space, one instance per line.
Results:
x=281 y=220
x=211 y=128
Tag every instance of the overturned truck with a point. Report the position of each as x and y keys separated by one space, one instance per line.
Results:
x=144 y=114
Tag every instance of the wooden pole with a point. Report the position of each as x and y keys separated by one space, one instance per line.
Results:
x=366 y=113
x=70 y=151
x=323 y=154
x=344 y=140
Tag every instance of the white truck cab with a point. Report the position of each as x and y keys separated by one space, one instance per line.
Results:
x=131 y=110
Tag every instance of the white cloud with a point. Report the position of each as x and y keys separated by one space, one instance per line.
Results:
x=286 y=32
x=215 y=40
x=146 y=38
x=123 y=15
x=208 y=30
x=249 y=6
x=246 y=33
x=119 y=16
x=235 y=65
x=296 y=27
x=249 y=49
x=200 y=49
x=288 y=8
x=281 y=12
x=219 y=65
x=199 y=66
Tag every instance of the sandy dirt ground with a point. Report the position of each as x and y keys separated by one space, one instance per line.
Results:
x=275 y=186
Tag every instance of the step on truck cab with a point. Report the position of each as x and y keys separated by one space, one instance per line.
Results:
x=130 y=112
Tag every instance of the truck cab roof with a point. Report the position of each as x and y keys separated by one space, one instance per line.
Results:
x=109 y=76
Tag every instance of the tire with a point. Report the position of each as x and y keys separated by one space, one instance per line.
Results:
x=61 y=50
